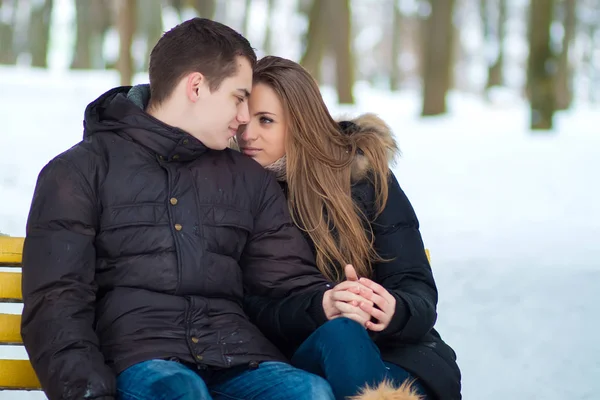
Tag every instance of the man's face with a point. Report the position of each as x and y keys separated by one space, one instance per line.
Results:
x=216 y=116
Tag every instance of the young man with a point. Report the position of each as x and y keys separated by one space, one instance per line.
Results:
x=143 y=239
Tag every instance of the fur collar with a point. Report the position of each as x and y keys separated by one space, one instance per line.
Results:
x=371 y=123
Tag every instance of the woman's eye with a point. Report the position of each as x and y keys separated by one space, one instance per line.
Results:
x=265 y=120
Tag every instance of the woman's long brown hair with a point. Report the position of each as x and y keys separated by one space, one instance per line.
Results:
x=319 y=168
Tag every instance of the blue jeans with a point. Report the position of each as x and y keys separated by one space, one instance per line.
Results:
x=171 y=380
x=342 y=352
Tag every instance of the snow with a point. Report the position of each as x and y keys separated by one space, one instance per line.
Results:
x=511 y=217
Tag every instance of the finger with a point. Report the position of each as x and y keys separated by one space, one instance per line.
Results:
x=361 y=319
x=375 y=327
x=380 y=301
x=353 y=287
x=377 y=288
x=364 y=316
x=349 y=297
x=351 y=274
x=346 y=308
x=376 y=313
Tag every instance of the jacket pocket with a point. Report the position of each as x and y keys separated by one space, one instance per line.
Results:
x=226 y=230
x=131 y=215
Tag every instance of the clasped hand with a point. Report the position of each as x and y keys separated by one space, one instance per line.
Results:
x=361 y=300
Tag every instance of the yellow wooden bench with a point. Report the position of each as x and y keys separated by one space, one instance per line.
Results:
x=16 y=374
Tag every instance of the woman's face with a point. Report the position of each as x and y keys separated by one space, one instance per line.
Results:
x=263 y=138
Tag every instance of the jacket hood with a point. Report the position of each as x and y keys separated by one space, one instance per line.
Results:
x=122 y=110
x=371 y=124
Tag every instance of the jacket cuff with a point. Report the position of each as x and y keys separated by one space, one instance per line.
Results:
x=399 y=319
x=315 y=309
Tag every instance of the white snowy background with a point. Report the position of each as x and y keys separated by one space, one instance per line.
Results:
x=512 y=217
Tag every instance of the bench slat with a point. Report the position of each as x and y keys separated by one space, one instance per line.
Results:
x=11 y=250
x=18 y=375
x=10 y=287
x=10 y=329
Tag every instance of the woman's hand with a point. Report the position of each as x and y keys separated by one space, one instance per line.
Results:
x=382 y=304
x=344 y=299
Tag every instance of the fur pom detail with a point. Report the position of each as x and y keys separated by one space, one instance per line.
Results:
x=387 y=391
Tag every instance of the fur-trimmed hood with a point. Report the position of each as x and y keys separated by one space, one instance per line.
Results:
x=370 y=123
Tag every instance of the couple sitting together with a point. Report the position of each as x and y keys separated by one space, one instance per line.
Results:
x=218 y=235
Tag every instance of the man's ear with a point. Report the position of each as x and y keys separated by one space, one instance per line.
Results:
x=196 y=86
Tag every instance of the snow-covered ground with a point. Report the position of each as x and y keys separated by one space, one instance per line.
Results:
x=512 y=219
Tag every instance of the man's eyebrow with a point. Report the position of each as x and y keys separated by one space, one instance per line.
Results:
x=245 y=92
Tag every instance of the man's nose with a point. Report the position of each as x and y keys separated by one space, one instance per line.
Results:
x=243 y=115
x=248 y=132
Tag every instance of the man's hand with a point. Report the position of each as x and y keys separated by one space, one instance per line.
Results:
x=382 y=304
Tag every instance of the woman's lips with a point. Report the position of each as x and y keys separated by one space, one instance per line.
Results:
x=250 y=151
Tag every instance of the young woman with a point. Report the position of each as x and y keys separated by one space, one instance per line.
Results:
x=343 y=196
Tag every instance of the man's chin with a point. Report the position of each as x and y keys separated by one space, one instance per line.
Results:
x=218 y=146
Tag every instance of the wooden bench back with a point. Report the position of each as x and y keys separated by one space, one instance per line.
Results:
x=14 y=374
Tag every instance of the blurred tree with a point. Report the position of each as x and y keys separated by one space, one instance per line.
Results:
x=341 y=35
x=457 y=52
x=395 y=72
x=564 y=79
x=437 y=66
x=93 y=20
x=316 y=38
x=246 y=26
x=205 y=8
x=591 y=58
x=495 y=69
x=178 y=6
x=541 y=65
x=39 y=32
x=126 y=25
x=268 y=41
x=149 y=25
x=8 y=8
x=330 y=33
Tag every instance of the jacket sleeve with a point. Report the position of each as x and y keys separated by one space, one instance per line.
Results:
x=407 y=275
x=283 y=287
x=59 y=292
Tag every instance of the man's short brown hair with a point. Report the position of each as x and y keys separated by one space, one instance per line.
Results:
x=196 y=45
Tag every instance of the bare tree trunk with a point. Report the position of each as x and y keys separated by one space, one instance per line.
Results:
x=316 y=39
x=206 y=8
x=564 y=79
x=268 y=42
x=541 y=65
x=592 y=67
x=93 y=20
x=395 y=75
x=342 y=48
x=126 y=24
x=178 y=6
x=7 y=47
x=82 y=57
x=437 y=66
x=39 y=33
x=496 y=69
x=246 y=25
x=149 y=25
x=457 y=54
